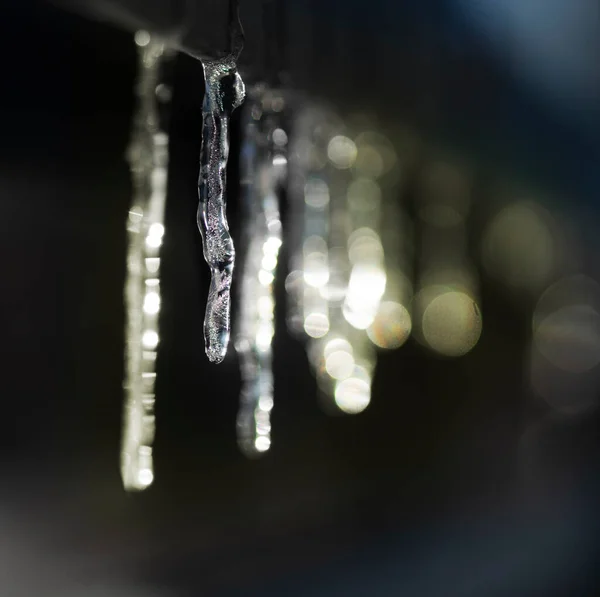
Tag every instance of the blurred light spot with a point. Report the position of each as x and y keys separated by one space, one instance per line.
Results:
x=151 y=303
x=263 y=422
x=265 y=277
x=156 y=229
x=315 y=244
x=280 y=137
x=339 y=272
x=269 y=262
x=337 y=344
x=160 y=172
x=159 y=175
x=264 y=336
x=518 y=246
x=277 y=104
x=279 y=160
x=316 y=193
x=265 y=403
x=565 y=352
x=242 y=344
x=364 y=245
x=566 y=292
x=153 y=241
x=353 y=395
x=265 y=307
x=272 y=245
x=163 y=93
x=339 y=364
x=262 y=443
x=150 y=339
x=341 y=151
x=316 y=325
x=316 y=270
x=152 y=282
x=392 y=325
x=365 y=289
x=155 y=235
x=142 y=38
x=451 y=323
x=145 y=477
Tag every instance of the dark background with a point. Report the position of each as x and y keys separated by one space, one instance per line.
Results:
x=451 y=483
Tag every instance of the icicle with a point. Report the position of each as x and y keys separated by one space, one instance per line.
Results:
x=148 y=157
x=264 y=166
x=224 y=92
x=335 y=286
x=392 y=324
x=310 y=195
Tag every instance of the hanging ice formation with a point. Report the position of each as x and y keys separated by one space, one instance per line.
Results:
x=339 y=273
x=349 y=287
x=148 y=157
x=224 y=91
x=263 y=171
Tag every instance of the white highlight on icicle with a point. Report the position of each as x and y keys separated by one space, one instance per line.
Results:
x=263 y=169
x=148 y=157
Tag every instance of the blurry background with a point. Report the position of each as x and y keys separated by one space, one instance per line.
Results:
x=465 y=476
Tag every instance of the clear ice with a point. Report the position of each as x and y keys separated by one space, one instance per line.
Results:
x=224 y=92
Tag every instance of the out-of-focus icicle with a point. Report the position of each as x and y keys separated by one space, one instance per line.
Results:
x=340 y=269
x=392 y=324
x=148 y=158
x=264 y=167
x=223 y=93
x=379 y=245
x=309 y=205
x=346 y=360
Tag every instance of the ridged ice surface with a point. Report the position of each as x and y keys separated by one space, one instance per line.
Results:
x=224 y=92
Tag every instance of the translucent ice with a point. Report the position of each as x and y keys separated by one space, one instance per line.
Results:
x=224 y=92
